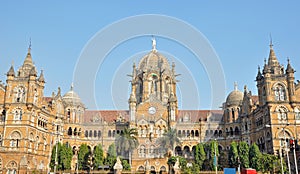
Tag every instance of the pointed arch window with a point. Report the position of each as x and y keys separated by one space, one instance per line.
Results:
x=18 y=114
x=282 y=113
x=19 y=94
x=15 y=138
x=280 y=93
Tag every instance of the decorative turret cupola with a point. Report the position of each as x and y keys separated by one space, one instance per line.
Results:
x=74 y=108
x=233 y=105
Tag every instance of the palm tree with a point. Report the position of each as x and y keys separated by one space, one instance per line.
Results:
x=126 y=142
x=169 y=139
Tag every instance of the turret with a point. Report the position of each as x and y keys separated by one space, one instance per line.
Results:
x=290 y=79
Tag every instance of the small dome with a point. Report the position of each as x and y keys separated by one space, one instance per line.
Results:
x=154 y=60
x=72 y=98
x=235 y=97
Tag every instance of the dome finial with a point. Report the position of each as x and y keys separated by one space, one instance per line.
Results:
x=153 y=43
x=235 y=86
x=72 y=86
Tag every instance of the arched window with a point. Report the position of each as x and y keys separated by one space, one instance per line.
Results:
x=86 y=134
x=231 y=131
x=91 y=133
x=151 y=149
x=141 y=169
x=142 y=151
x=12 y=167
x=279 y=92
x=18 y=114
x=15 y=138
x=99 y=133
x=70 y=131
x=95 y=133
x=236 y=131
x=75 y=131
x=220 y=133
x=109 y=133
x=281 y=113
x=19 y=94
x=197 y=133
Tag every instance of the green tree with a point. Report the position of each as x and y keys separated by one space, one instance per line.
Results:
x=200 y=155
x=268 y=162
x=214 y=153
x=111 y=157
x=254 y=157
x=53 y=155
x=125 y=165
x=98 y=156
x=83 y=156
x=169 y=140
x=243 y=151
x=126 y=142
x=65 y=155
x=233 y=155
x=222 y=160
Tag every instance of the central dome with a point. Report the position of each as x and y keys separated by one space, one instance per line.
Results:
x=72 y=98
x=235 y=98
x=154 y=60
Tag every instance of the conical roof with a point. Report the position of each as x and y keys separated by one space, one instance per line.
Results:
x=11 y=71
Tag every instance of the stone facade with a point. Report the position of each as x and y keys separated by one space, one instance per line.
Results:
x=31 y=123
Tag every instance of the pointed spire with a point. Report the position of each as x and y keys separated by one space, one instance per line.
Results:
x=28 y=59
x=33 y=72
x=272 y=61
x=259 y=75
x=41 y=78
x=289 y=68
x=245 y=89
x=133 y=70
x=11 y=71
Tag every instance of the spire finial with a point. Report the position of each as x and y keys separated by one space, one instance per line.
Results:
x=29 y=47
x=288 y=59
x=72 y=86
x=271 y=41
x=235 y=86
x=265 y=60
x=153 y=43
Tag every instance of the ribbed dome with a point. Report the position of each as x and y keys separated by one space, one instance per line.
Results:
x=154 y=60
x=72 y=98
x=235 y=97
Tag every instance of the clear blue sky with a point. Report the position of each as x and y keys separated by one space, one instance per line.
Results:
x=237 y=30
